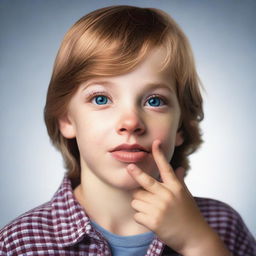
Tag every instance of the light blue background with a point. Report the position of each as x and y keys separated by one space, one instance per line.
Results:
x=222 y=34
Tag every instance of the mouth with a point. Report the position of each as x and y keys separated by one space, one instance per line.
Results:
x=129 y=156
x=130 y=153
x=130 y=148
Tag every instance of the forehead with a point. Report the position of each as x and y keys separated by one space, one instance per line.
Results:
x=155 y=61
x=148 y=72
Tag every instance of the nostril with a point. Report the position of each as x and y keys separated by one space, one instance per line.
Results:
x=136 y=130
x=131 y=127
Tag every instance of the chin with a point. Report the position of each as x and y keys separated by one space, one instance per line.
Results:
x=126 y=185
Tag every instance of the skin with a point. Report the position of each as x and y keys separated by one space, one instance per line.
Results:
x=139 y=201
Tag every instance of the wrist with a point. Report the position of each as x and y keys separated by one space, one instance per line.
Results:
x=209 y=244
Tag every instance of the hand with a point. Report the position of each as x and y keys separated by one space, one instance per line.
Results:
x=167 y=208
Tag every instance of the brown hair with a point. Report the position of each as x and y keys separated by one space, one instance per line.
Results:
x=112 y=41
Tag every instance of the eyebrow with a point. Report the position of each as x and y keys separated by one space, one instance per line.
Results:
x=149 y=86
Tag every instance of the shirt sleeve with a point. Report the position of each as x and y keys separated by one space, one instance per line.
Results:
x=239 y=239
x=229 y=225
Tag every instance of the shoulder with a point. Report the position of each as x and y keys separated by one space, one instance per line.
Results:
x=228 y=223
x=40 y=228
x=51 y=226
x=36 y=217
x=212 y=209
x=29 y=225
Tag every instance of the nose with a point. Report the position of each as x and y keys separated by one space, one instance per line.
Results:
x=130 y=123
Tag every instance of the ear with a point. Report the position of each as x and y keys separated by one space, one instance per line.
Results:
x=66 y=127
x=179 y=138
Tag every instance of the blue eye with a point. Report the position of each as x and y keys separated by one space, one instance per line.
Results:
x=101 y=99
x=155 y=101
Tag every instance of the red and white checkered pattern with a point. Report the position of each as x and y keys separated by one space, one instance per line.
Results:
x=61 y=227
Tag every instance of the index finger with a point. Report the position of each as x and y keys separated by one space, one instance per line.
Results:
x=146 y=181
x=165 y=169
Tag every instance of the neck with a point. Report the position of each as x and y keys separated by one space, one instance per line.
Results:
x=108 y=206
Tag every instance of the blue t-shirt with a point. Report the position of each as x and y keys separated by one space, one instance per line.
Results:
x=136 y=245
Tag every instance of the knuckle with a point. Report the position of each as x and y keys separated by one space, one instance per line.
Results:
x=149 y=182
x=168 y=198
x=163 y=206
x=134 y=203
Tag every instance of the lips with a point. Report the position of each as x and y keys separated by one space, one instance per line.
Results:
x=130 y=147
x=129 y=153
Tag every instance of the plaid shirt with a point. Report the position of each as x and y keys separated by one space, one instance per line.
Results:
x=61 y=227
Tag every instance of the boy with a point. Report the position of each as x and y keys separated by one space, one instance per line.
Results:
x=123 y=107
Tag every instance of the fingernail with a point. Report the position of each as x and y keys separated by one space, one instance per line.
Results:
x=132 y=168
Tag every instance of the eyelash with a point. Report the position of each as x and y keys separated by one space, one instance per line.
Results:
x=93 y=95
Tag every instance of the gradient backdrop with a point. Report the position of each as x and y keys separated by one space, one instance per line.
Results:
x=222 y=34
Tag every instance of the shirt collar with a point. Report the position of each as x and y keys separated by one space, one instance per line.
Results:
x=70 y=222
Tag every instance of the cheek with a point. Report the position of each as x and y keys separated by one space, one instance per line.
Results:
x=167 y=134
x=89 y=124
x=164 y=129
x=91 y=132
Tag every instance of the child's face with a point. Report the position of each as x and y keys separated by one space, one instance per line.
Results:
x=122 y=112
